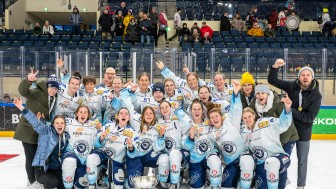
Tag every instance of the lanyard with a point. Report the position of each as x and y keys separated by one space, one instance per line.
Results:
x=51 y=106
x=300 y=101
x=247 y=100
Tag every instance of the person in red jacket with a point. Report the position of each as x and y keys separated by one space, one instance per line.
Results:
x=206 y=29
x=273 y=19
x=163 y=20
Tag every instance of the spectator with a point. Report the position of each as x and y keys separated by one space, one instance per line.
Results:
x=184 y=34
x=237 y=23
x=132 y=31
x=306 y=97
x=177 y=24
x=41 y=98
x=119 y=25
x=195 y=37
x=37 y=29
x=48 y=29
x=206 y=30
x=225 y=24
x=256 y=31
x=145 y=31
x=6 y=98
x=327 y=25
x=163 y=23
x=195 y=26
x=269 y=32
x=251 y=17
x=273 y=19
x=106 y=22
x=127 y=20
x=139 y=18
x=282 y=16
x=293 y=13
x=76 y=21
x=123 y=9
x=154 y=19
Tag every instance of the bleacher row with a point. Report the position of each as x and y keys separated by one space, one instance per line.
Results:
x=286 y=39
x=88 y=40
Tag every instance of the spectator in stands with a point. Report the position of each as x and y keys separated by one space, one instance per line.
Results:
x=177 y=24
x=184 y=34
x=37 y=29
x=48 y=29
x=119 y=25
x=225 y=24
x=163 y=23
x=327 y=25
x=76 y=21
x=195 y=26
x=145 y=31
x=132 y=31
x=237 y=23
x=273 y=19
x=106 y=22
x=256 y=31
x=282 y=16
x=6 y=98
x=154 y=19
x=195 y=37
x=123 y=9
x=251 y=17
x=206 y=31
x=127 y=20
x=269 y=32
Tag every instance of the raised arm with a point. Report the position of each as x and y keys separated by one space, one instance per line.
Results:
x=273 y=76
x=24 y=87
x=236 y=107
x=286 y=118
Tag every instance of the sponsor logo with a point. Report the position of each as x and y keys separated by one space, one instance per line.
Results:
x=246 y=175
x=68 y=179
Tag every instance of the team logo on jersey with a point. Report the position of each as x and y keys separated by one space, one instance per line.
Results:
x=111 y=152
x=169 y=143
x=263 y=124
x=259 y=152
x=229 y=147
x=145 y=144
x=203 y=146
x=81 y=147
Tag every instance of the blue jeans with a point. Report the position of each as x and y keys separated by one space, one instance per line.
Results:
x=147 y=39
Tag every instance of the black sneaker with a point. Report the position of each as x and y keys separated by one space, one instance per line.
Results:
x=161 y=185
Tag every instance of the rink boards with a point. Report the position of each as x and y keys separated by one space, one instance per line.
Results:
x=324 y=127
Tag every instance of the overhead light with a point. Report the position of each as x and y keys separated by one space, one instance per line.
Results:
x=220 y=3
x=45 y=9
x=230 y=5
x=84 y=9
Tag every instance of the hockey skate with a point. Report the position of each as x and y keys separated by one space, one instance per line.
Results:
x=173 y=186
x=215 y=187
x=92 y=186
x=161 y=185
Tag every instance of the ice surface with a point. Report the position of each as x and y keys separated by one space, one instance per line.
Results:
x=321 y=166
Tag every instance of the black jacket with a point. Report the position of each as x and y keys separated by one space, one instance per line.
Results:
x=106 y=21
x=311 y=102
x=225 y=24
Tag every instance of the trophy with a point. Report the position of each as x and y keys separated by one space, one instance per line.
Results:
x=144 y=182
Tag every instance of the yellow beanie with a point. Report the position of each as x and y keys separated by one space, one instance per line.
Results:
x=325 y=10
x=247 y=78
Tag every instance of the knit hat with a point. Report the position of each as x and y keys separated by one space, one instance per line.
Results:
x=158 y=87
x=306 y=68
x=247 y=78
x=52 y=82
x=262 y=88
x=325 y=10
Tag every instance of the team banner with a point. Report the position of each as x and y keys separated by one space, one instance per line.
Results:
x=9 y=116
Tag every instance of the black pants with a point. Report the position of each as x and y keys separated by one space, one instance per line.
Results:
x=51 y=179
x=30 y=150
x=177 y=34
x=154 y=33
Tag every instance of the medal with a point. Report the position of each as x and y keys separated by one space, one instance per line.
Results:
x=300 y=108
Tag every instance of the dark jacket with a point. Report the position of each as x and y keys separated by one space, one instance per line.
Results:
x=119 y=31
x=244 y=100
x=225 y=24
x=106 y=21
x=37 y=30
x=147 y=25
x=50 y=143
x=75 y=19
x=37 y=101
x=291 y=134
x=311 y=102
x=132 y=32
